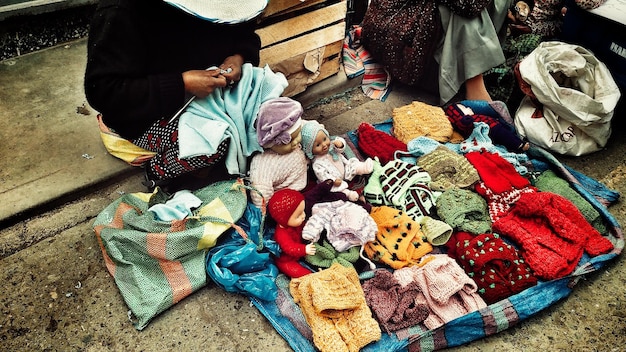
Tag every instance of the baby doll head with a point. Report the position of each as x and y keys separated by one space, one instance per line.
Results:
x=287 y=207
x=315 y=139
x=278 y=124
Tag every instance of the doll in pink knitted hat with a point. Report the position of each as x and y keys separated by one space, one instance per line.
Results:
x=286 y=207
x=282 y=164
x=328 y=161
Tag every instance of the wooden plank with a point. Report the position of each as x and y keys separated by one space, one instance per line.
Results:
x=302 y=44
x=298 y=82
x=307 y=22
x=296 y=63
x=275 y=7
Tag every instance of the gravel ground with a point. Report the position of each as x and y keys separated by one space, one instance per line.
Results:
x=24 y=34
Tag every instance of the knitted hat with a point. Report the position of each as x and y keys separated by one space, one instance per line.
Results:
x=421 y=119
x=277 y=119
x=221 y=11
x=500 y=131
x=393 y=304
x=283 y=203
x=436 y=231
x=326 y=255
x=552 y=234
x=548 y=181
x=497 y=173
x=448 y=169
x=333 y=303
x=490 y=108
x=446 y=288
x=376 y=143
x=496 y=267
x=310 y=129
x=406 y=187
x=464 y=210
x=399 y=241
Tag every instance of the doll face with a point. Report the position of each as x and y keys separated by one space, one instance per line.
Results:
x=298 y=216
x=296 y=138
x=321 y=144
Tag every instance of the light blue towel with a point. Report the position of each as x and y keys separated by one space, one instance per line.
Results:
x=229 y=113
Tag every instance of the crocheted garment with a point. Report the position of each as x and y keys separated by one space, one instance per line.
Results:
x=333 y=304
x=445 y=288
x=399 y=241
x=270 y=172
x=420 y=119
x=552 y=234
x=347 y=224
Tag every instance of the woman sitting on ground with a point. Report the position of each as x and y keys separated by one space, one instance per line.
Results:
x=410 y=37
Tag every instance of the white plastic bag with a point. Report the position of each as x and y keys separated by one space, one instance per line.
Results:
x=578 y=95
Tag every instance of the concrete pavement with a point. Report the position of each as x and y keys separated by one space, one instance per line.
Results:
x=56 y=294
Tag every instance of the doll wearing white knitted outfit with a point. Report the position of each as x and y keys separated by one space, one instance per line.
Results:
x=328 y=161
x=282 y=164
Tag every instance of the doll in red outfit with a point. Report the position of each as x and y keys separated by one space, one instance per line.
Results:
x=287 y=207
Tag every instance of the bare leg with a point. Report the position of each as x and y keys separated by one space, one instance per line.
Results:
x=475 y=89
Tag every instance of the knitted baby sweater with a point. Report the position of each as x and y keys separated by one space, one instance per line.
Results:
x=270 y=172
x=347 y=224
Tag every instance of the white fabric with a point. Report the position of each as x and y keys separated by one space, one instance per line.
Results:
x=578 y=95
x=222 y=11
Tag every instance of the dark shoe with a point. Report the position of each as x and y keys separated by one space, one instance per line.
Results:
x=152 y=184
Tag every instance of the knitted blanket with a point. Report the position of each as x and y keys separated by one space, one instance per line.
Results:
x=288 y=320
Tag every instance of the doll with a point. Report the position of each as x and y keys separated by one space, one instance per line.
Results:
x=328 y=162
x=282 y=164
x=286 y=207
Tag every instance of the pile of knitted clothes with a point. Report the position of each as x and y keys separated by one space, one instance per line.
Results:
x=475 y=232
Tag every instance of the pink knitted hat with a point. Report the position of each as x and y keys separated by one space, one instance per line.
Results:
x=277 y=119
x=283 y=203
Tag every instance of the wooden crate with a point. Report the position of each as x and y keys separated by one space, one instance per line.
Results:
x=303 y=40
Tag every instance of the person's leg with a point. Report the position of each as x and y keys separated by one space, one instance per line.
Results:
x=162 y=138
x=475 y=89
x=470 y=46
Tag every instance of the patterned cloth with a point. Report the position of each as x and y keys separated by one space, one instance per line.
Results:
x=358 y=61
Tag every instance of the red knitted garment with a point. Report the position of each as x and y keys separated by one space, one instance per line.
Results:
x=496 y=266
x=551 y=232
x=283 y=203
x=498 y=174
x=376 y=143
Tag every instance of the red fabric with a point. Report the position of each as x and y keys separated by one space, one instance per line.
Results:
x=498 y=174
x=376 y=143
x=292 y=250
x=551 y=232
x=495 y=266
x=283 y=203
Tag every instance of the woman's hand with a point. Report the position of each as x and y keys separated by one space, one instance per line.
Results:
x=203 y=82
x=233 y=63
